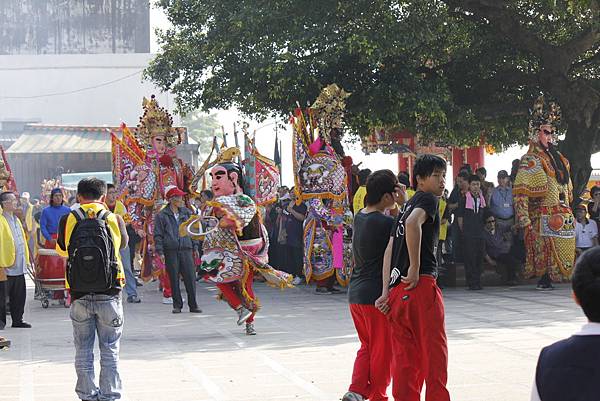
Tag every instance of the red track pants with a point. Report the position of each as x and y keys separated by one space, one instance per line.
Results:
x=419 y=345
x=372 y=374
x=232 y=296
x=165 y=284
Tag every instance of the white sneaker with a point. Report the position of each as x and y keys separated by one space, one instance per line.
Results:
x=352 y=396
x=167 y=301
x=297 y=280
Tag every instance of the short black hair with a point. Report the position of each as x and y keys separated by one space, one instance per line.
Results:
x=474 y=177
x=109 y=186
x=594 y=189
x=481 y=170
x=4 y=196
x=464 y=175
x=208 y=193
x=379 y=183
x=586 y=283
x=467 y=167
x=425 y=165
x=404 y=178
x=91 y=188
x=363 y=175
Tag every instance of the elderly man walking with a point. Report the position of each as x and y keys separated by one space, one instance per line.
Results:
x=13 y=262
x=175 y=251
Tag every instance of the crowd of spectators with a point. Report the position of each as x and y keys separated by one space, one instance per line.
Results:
x=481 y=229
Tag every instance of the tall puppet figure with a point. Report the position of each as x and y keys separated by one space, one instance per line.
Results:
x=237 y=246
x=157 y=138
x=321 y=182
x=543 y=192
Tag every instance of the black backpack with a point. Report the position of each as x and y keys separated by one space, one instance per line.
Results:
x=92 y=265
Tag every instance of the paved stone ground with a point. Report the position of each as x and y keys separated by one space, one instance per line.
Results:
x=304 y=351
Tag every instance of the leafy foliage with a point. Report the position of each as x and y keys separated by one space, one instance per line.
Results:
x=202 y=128
x=451 y=70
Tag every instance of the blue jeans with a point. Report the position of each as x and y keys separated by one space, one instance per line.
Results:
x=101 y=314
x=130 y=283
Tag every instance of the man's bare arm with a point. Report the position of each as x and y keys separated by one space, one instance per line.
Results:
x=123 y=230
x=413 y=234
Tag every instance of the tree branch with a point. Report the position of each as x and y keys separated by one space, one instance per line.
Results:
x=504 y=21
x=581 y=43
x=590 y=60
x=494 y=111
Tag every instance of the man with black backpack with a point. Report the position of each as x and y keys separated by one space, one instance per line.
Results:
x=91 y=238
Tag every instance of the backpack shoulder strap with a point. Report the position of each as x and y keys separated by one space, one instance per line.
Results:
x=79 y=214
x=103 y=215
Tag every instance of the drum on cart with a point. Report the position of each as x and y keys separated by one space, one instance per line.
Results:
x=50 y=276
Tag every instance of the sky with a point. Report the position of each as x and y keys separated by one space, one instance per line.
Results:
x=265 y=136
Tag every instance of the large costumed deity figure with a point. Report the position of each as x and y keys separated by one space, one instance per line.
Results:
x=7 y=180
x=543 y=192
x=321 y=182
x=145 y=163
x=237 y=246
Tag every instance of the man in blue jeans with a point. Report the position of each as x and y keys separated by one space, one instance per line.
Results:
x=99 y=312
x=116 y=206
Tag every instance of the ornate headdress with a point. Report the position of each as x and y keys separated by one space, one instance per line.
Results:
x=155 y=121
x=543 y=114
x=224 y=156
x=329 y=110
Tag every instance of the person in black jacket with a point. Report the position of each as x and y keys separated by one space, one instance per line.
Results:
x=176 y=252
x=470 y=216
x=568 y=370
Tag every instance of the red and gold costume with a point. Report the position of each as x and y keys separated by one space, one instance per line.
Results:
x=148 y=163
x=237 y=246
x=543 y=192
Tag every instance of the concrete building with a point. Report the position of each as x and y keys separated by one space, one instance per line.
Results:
x=72 y=66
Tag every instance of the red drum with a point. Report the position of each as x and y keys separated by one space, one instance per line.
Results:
x=51 y=272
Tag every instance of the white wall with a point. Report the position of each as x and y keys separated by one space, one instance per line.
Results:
x=108 y=88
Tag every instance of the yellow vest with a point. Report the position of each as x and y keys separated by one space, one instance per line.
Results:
x=113 y=226
x=29 y=221
x=358 y=202
x=120 y=209
x=444 y=226
x=8 y=252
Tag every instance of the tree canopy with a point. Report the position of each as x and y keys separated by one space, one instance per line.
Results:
x=202 y=128
x=449 y=70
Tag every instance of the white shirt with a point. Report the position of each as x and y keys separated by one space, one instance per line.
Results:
x=585 y=233
x=589 y=329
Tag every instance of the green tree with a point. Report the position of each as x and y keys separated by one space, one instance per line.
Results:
x=450 y=70
x=202 y=128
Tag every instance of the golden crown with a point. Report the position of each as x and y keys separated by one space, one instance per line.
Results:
x=329 y=109
x=543 y=114
x=155 y=121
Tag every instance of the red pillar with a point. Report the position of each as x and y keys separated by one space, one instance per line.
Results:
x=473 y=156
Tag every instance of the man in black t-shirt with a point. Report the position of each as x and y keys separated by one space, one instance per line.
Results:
x=372 y=374
x=410 y=294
